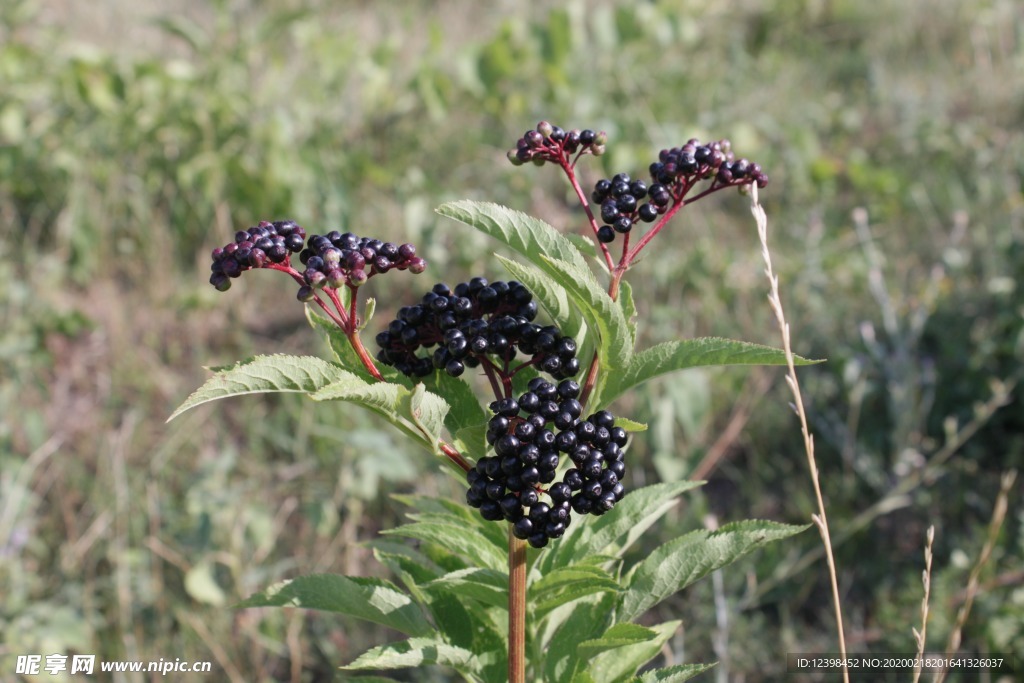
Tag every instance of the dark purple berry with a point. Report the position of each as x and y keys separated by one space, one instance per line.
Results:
x=523 y=528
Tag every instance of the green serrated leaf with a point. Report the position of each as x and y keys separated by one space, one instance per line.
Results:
x=628 y=306
x=630 y=425
x=584 y=244
x=412 y=567
x=616 y=636
x=680 y=562
x=673 y=674
x=473 y=439
x=569 y=574
x=488 y=586
x=565 y=584
x=264 y=374
x=415 y=652
x=428 y=412
x=583 y=619
x=615 y=531
x=383 y=398
x=417 y=412
x=465 y=408
x=365 y=598
x=444 y=511
x=623 y=649
x=680 y=355
x=458 y=539
x=529 y=236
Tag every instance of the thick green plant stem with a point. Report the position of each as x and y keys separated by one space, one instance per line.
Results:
x=516 y=609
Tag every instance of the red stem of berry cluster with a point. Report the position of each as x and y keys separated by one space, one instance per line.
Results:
x=570 y=173
x=618 y=270
x=348 y=321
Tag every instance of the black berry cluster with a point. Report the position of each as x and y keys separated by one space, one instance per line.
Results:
x=467 y=324
x=621 y=207
x=259 y=246
x=527 y=451
x=548 y=142
x=672 y=176
x=700 y=161
x=337 y=259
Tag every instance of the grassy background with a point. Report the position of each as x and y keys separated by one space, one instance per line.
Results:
x=134 y=137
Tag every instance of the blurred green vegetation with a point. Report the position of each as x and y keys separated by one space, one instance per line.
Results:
x=129 y=147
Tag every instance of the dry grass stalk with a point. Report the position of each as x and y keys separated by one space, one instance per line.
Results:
x=926 y=578
x=820 y=519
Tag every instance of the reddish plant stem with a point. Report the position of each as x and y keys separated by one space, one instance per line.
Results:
x=590 y=381
x=570 y=173
x=454 y=456
x=516 y=609
x=489 y=371
x=632 y=254
x=364 y=355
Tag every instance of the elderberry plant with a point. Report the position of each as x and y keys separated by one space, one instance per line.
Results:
x=510 y=381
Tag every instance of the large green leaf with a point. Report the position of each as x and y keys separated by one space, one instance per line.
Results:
x=529 y=236
x=680 y=562
x=263 y=374
x=679 y=355
x=415 y=652
x=366 y=598
x=615 y=531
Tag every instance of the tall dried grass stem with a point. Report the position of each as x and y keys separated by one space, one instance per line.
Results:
x=820 y=519
x=920 y=637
